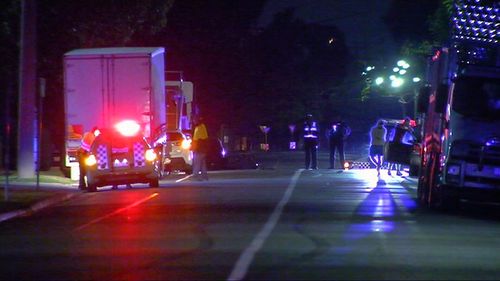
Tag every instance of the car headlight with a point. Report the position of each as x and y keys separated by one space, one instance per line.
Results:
x=186 y=144
x=150 y=155
x=90 y=160
x=453 y=172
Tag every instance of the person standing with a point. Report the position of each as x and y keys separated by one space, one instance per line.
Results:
x=311 y=142
x=378 y=135
x=336 y=136
x=83 y=152
x=200 y=139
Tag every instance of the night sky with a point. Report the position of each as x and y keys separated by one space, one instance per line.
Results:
x=360 y=20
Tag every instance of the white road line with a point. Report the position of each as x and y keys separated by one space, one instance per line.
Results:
x=117 y=211
x=245 y=260
x=184 y=178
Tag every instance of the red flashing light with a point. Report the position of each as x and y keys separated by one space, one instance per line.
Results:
x=128 y=128
x=436 y=55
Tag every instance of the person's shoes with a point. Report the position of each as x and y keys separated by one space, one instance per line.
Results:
x=389 y=172
x=399 y=173
x=82 y=187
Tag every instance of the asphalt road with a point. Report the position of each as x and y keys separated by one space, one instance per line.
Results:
x=278 y=222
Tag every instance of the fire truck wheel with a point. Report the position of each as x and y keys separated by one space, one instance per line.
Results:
x=154 y=183
x=443 y=201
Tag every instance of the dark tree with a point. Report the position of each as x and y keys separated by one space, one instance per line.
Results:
x=66 y=25
x=300 y=66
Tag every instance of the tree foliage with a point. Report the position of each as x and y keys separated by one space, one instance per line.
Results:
x=419 y=25
x=298 y=66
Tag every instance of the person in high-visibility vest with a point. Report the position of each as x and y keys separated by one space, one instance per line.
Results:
x=83 y=152
x=311 y=142
x=200 y=143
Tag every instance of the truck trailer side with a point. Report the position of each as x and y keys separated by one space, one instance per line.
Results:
x=104 y=86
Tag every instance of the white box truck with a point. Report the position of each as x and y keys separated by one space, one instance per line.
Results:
x=103 y=86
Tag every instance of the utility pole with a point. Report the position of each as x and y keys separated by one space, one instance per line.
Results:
x=27 y=90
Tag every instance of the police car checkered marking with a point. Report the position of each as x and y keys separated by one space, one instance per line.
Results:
x=139 y=155
x=360 y=165
x=102 y=157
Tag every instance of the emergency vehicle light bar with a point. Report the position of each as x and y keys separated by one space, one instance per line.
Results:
x=128 y=128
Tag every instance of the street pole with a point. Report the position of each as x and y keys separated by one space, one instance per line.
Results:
x=27 y=89
x=7 y=142
x=39 y=131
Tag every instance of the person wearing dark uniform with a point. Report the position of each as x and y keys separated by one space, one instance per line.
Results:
x=336 y=136
x=311 y=142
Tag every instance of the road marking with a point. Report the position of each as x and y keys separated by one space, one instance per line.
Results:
x=241 y=267
x=184 y=178
x=117 y=212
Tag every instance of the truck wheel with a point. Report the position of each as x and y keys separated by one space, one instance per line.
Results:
x=154 y=183
x=443 y=201
x=91 y=187
x=413 y=170
x=425 y=182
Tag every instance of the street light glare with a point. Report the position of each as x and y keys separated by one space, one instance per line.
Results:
x=402 y=71
x=416 y=79
x=401 y=63
x=379 y=80
x=392 y=77
x=396 y=69
x=398 y=82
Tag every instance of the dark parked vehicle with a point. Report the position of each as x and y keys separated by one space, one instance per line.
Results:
x=216 y=155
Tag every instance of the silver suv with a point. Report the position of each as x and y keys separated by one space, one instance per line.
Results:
x=175 y=147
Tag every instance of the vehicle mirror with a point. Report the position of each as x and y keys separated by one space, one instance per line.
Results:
x=441 y=98
x=423 y=99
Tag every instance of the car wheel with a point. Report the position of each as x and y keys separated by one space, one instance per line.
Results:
x=154 y=183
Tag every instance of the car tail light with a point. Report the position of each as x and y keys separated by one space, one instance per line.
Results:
x=128 y=128
x=150 y=155
x=90 y=160
x=186 y=144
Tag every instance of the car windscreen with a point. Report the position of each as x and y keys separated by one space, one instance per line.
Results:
x=174 y=136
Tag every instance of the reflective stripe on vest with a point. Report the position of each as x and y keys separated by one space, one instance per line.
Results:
x=311 y=131
x=87 y=141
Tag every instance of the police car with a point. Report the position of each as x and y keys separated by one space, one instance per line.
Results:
x=121 y=156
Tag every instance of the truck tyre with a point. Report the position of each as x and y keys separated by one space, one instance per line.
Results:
x=443 y=201
x=426 y=180
x=154 y=183
x=91 y=187
x=413 y=170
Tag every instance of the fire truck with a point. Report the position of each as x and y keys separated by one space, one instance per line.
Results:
x=460 y=113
